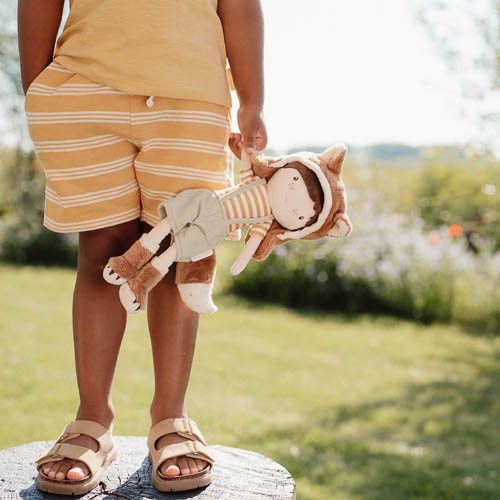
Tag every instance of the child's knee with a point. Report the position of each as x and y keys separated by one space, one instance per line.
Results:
x=97 y=246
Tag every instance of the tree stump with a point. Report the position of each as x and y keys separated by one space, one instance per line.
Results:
x=237 y=475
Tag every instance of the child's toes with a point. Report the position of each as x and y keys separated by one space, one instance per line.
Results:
x=192 y=465
x=111 y=276
x=45 y=469
x=54 y=470
x=77 y=472
x=128 y=299
x=63 y=469
x=170 y=468
x=183 y=466
x=201 y=464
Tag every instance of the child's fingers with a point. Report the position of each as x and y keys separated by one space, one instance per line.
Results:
x=261 y=138
x=249 y=139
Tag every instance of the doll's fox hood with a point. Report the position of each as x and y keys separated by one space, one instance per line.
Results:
x=332 y=221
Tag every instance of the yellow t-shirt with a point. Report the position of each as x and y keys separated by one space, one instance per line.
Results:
x=171 y=48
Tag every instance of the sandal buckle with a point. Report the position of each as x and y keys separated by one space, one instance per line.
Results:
x=55 y=451
x=187 y=426
x=196 y=447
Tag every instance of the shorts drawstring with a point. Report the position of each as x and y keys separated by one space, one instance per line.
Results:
x=151 y=101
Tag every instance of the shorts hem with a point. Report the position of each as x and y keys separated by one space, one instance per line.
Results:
x=79 y=227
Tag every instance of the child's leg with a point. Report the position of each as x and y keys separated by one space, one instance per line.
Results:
x=98 y=325
x=173 y=328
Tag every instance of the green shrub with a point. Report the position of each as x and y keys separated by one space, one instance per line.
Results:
x=23 y=238
x=462 y=193
x=390 y=264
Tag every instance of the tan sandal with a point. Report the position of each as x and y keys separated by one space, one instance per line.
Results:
x=96 y=461
x=195 y=446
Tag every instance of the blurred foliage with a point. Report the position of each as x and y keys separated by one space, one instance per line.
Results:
x=442 y=190
x=425 y=245
x=467 y=34
x=464 y=195
x=23 y=238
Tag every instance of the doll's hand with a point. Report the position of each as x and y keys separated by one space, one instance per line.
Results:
x=246 y=254
x=252 y=127
x=239 y=265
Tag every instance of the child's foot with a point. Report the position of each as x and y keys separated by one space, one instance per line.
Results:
x=177 y=466
x=68 y=468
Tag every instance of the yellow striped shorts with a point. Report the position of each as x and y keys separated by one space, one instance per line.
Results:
x=110 y=157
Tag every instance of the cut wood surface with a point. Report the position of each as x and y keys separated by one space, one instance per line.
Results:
x=237 y=475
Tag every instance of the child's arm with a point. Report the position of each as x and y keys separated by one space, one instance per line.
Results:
x=243 y=25
x=38 y=23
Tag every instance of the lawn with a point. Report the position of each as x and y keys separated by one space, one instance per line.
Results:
x=355 y=408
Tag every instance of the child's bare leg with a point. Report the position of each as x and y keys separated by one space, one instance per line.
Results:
x=173 y=328
x=98 y=325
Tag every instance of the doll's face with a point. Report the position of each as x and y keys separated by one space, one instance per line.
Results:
x=290 y=202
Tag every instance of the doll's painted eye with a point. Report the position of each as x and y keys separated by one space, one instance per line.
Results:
x=301 y=217
x=295 y=178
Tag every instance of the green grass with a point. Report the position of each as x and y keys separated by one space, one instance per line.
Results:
x=355 y=408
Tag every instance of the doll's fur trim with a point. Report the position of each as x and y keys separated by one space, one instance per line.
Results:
x=126 y=265
x=147 y=278
x=201 y=271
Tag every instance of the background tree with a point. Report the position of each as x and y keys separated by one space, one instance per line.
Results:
x=468 y=36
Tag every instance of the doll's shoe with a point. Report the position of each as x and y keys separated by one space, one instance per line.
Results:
x=124 y=267
x=97 y=461
x=134 y=293
x=194 y=446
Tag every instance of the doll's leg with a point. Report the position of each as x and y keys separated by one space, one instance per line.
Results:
x=134 y=293
x=124 y=267
x=195 y=283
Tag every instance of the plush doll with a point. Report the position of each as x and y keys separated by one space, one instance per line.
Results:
x=297 y=196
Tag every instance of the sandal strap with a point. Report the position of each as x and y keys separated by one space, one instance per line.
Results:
x=93 y=459
x=93 y=429
x=59 y=451
x=193 y=449
x=183 y=426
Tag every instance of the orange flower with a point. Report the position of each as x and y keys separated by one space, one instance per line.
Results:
x=456 y=231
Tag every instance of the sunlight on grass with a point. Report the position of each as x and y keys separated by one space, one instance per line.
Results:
x=363 y=407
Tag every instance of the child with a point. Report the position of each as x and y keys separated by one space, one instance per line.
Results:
x=130 y=107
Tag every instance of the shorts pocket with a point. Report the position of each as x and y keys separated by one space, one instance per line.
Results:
x=38 y=78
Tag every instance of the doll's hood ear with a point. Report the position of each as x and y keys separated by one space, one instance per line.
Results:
x=334 y=157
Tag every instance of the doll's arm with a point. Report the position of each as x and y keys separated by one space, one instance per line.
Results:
x=246 y=254
x=257 y=233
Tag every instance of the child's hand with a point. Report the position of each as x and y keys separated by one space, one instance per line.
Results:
x=236 y=144
x=252 y=127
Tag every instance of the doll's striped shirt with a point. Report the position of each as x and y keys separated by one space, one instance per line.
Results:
x=248 y=204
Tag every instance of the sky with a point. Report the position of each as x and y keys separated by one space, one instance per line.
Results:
x=357 y=71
